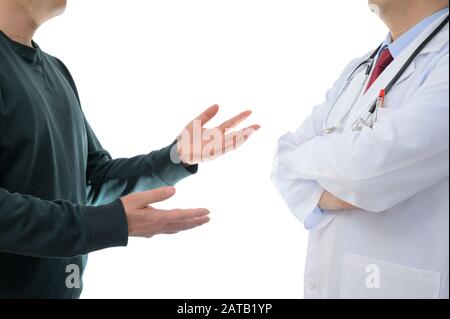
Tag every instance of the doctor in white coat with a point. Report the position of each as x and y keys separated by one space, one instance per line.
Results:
x=373 y=188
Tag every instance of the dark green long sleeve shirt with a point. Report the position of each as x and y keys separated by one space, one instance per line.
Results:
x=59 y=189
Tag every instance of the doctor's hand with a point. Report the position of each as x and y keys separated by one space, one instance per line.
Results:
x=198 y=144
x=330 y=202
x=147 y=221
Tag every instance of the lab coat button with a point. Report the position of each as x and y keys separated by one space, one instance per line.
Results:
x=310 y=283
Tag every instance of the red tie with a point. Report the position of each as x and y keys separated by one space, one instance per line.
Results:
x=383 y=62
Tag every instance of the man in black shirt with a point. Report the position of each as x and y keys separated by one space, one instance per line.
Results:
x=62 y=196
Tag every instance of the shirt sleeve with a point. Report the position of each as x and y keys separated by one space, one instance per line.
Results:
x=377 y=169
x=56 y=229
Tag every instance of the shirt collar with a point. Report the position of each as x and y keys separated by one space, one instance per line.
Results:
x=397 y=47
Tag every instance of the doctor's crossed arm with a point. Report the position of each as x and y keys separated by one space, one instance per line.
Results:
x=374 y=168
x=377 y=169
x=305 y=197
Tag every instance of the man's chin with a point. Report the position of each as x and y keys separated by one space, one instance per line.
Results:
x=375 y=8
x=61 y=8
x=54 y=7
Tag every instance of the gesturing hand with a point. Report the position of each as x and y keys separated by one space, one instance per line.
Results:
x=198 y=144
x=146 y=221
x=331 y=203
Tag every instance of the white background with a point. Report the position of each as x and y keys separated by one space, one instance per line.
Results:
x=146 y=68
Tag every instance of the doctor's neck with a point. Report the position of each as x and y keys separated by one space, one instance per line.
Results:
x=402 y=15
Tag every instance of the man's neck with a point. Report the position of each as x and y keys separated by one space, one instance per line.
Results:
x=16 y=23
x=402 y=18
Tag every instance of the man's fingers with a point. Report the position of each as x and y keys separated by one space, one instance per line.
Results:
x=235 y=121
x=177 y=215
x=236 y=139
x=249 y=131
x=143 y=199
x=207 y=115
x=169 y=232
x=175 y=227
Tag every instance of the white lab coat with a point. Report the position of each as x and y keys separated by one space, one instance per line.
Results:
x=397 y=244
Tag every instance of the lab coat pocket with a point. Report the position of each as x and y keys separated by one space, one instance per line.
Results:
x=368 y=278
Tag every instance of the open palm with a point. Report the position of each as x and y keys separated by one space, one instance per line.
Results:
x=198 y=144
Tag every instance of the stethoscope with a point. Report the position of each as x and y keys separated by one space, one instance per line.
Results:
x=367 y=65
